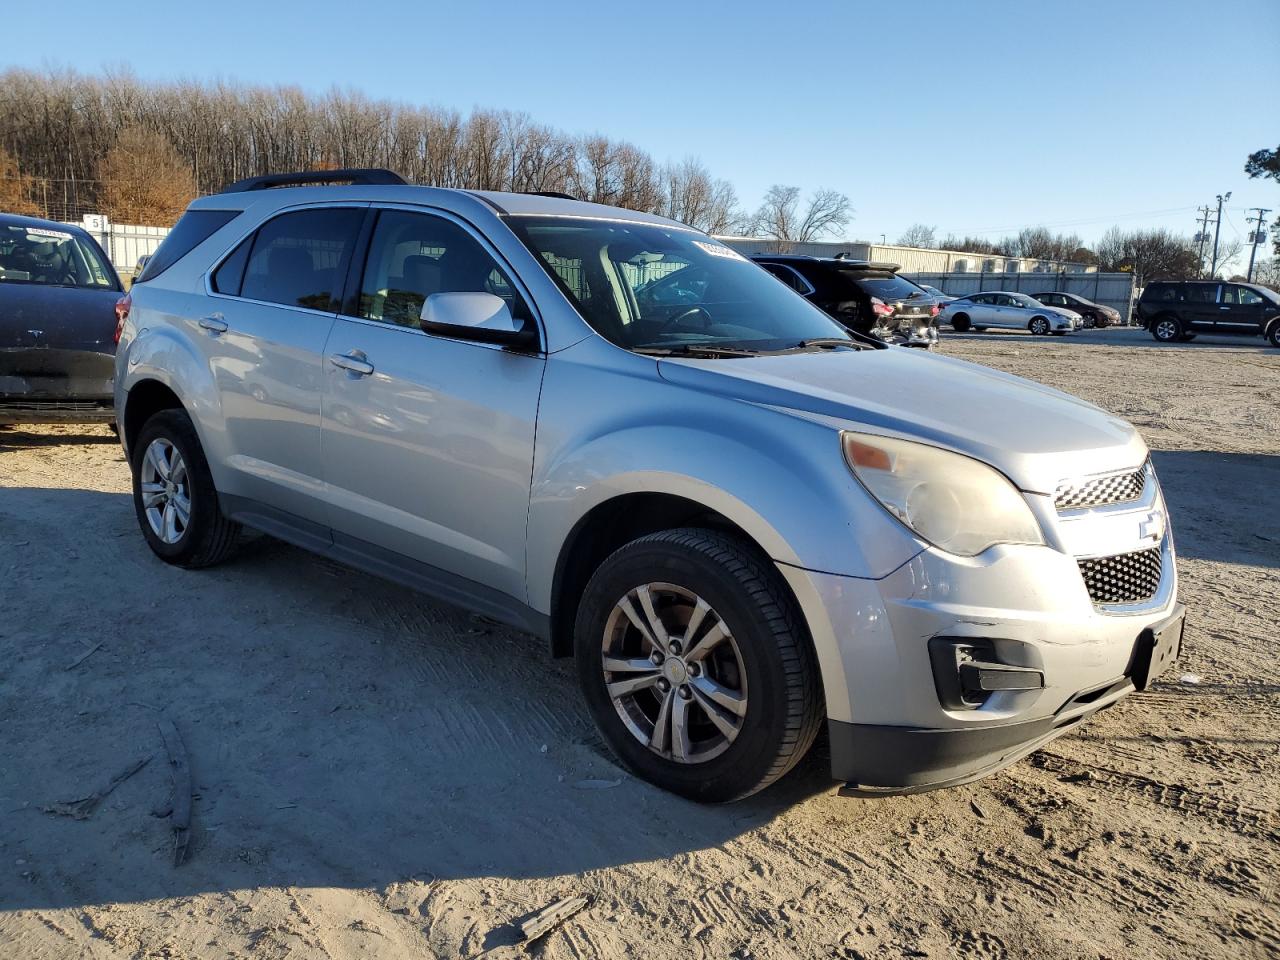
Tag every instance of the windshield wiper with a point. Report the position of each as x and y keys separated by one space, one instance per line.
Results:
x=695 y=350
x=828 y=342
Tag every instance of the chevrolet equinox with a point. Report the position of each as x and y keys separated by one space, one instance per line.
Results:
x=614 y=433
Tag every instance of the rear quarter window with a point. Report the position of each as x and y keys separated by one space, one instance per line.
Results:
x=192 y=229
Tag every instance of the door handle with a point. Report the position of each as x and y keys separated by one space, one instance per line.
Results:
x=1224 y=308
x=353 y=362
x=214 y=325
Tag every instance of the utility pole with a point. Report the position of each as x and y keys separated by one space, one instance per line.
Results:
x=1202 y=236
x=1217 y=228
x=1259 y=234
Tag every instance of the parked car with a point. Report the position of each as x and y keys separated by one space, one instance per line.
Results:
x=937 y=294
x=865 y=296
x=1179 y=310
x=1010 y=311
x=58 y=294
x=138 y=268
x=1094 y=314
x=739 y=517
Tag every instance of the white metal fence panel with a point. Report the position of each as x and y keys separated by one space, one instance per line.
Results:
x=124 y=243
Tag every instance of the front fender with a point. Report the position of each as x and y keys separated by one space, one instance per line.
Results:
x=780 y=478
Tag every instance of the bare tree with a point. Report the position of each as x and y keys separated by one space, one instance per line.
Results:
x=918 y=235
x=144 y=180
x=693 y=196
x=15 y=188
x=780 y=216
x=1148 y=255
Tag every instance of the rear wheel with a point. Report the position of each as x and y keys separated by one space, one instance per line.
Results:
x=174 y=497
x=1273 y=334
x=960 y=322
x=1039 y=326
x=696 y=666
x=1166 y=329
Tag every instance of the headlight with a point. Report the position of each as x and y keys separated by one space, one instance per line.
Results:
x=952 y=501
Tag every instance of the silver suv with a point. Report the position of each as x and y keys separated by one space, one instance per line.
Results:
x=613 y=432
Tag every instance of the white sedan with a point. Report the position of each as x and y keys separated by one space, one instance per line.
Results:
x=1011 y=311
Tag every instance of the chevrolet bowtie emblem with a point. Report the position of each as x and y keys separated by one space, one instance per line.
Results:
x=1152 y=527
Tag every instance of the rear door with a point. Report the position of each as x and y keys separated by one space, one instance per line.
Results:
x=983 y=313
x=272 y=303
x=428 y=441
x=1200 y=306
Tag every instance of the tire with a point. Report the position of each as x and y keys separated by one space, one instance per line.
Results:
x=1166 y=329
x=766 y=664
x=206 y=536
x=960 y=323
x=1039 y=326
x=1273 y=334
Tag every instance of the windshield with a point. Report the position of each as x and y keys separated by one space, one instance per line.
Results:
x=648 y=286
x=885 y=285
x=52 y=257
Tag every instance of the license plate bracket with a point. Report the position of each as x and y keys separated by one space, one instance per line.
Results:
x=1156 y=649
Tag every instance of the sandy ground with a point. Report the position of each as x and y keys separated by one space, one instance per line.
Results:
x=380 y=775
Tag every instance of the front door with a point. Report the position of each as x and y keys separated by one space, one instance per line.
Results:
x=263 y=332
x=428 y=442
x=1240 y=310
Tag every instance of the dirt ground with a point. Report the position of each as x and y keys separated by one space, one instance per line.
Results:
x=380 y=775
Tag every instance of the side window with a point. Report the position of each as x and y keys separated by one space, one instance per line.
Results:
x=1163 y=293
x=1202 y=293
x=788 y=276
x=230 y=274
x=300 y=259
x=192 y=229
x=1241 y=296
x=413 y=255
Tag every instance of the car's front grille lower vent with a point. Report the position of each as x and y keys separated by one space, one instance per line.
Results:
x=1123 y=578
x=1117 y=488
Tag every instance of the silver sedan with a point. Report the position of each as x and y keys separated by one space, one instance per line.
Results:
x=1011 y=311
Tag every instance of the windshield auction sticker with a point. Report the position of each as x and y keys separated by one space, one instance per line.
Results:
x=47 y=234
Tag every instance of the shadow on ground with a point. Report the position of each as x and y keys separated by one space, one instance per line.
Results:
x=341 y=730
x=1202 y=487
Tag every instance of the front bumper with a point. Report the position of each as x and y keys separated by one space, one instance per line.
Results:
x=889 y=728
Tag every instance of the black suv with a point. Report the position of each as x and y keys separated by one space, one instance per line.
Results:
x=1178 y=310
x=865 y=296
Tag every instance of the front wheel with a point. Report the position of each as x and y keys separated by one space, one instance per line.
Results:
x=696 y=666
x=1039 y=326
x=174 y=497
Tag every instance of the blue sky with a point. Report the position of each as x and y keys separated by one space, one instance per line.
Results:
x=974 y=116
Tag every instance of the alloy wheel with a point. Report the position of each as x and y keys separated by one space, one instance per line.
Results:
x=674 y=673
x=1166 y=330
x=166 y=493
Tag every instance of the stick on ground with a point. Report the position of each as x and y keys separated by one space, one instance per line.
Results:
x=180 y=769
x=83 y=808
x=550 y=917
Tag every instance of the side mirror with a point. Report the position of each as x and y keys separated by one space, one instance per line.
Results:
x=476 y=316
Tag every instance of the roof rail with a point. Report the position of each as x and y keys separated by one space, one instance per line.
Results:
x=551 y=193
x=363 y=177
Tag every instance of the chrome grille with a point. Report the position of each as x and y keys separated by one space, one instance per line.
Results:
x=1123 y=578
x=1117 y=488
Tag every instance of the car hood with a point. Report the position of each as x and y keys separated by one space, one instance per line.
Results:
x=1035 y=435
